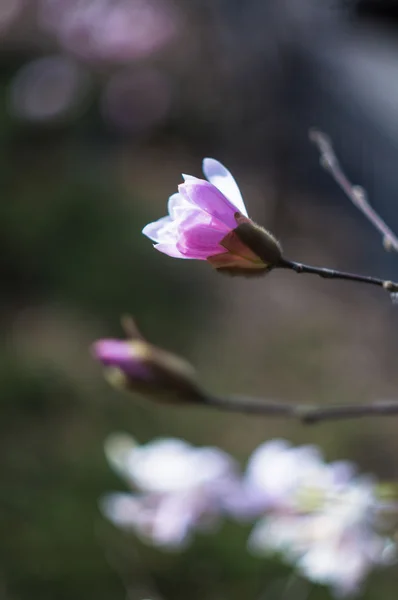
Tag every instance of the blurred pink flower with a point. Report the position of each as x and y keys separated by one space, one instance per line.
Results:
x=179 y=488
x=137 y=366
x=110 y=30
x=202 y=220
x=134 y=101
x=49 y=88
x=10 y=11
x=126 y=355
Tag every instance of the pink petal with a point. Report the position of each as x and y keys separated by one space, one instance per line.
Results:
x=222 y=179
x=200 y=235
x=211 y=200
x=201 y=242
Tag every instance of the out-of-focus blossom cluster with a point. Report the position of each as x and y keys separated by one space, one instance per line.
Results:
x=328 y=522
x=48 y=89
x=10 y=10
x=103 y=47
x=109 y=30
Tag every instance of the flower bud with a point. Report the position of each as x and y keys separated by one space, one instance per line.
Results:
x=251 y=250
x=137 y=366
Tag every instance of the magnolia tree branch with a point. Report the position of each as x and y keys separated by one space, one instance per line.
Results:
x=306 y=414
x=355 y=193
x=325 y=273
x=358 y=197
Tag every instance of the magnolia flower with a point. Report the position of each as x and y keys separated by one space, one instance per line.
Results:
x=320 y=517
x=208 y=220
x=179 y=488
x=136 y=365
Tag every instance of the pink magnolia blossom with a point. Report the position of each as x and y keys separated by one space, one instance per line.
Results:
x=202 y=222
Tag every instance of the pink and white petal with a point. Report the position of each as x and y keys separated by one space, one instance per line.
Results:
x=208 y=198
x=189 y=177
x=171 y=250
x=222 y=179
x=177 y=204
x=160 y=230
x=199 y=235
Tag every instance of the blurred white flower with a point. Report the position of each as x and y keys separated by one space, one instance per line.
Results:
x=179 y=488
x=283 y=479
x=319 y=516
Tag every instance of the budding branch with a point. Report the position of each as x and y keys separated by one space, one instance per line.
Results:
x=304 y=413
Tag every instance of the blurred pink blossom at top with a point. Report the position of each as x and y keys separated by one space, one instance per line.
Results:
x=110 y=30
x=10 y=10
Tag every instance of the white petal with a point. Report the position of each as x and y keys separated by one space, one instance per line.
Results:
x=123 y=509
x=161 y=230
x=118 y=449
x=171 y=250
x=211 y=465
x=163 y=466
x=178 y=203
x=222 y=179
x=188 y=177
x=173 y=520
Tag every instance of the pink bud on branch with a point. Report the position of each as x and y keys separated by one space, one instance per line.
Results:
x=138 y=366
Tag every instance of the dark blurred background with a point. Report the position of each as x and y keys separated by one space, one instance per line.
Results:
x=103 y=104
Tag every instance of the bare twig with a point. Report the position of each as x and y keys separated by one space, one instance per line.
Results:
x=306 y=414
x=325 y=273
x=355 y=193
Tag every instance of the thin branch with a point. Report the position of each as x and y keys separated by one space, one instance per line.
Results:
x=306 y=414
x=355 y=193
x=335 y=274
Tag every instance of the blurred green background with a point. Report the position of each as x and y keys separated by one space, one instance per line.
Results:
x=103 y=104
